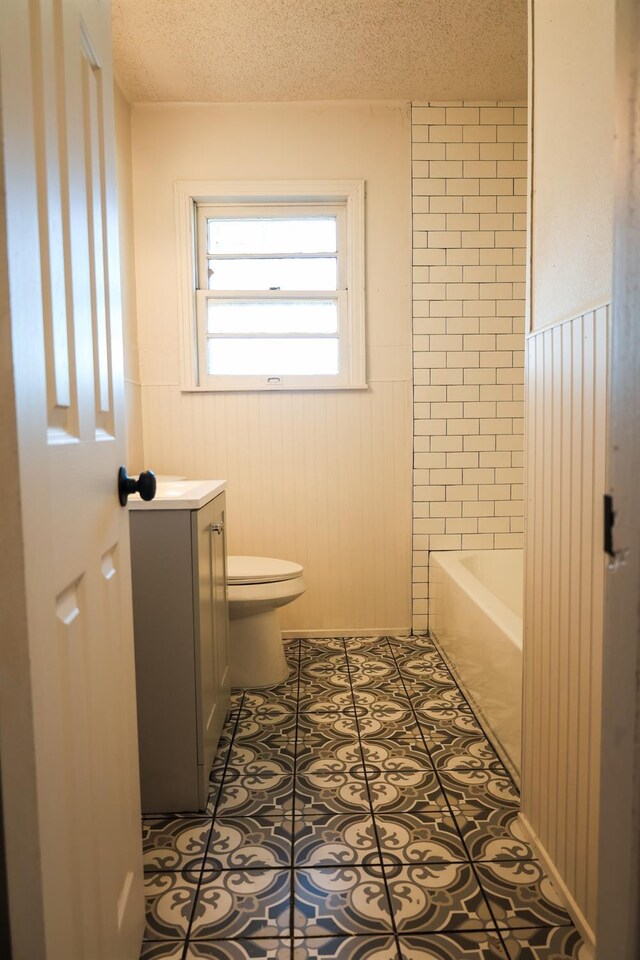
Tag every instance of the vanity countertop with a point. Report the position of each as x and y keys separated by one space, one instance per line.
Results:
x=180 y=495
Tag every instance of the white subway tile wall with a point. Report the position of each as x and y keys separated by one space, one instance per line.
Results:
x=469 y=169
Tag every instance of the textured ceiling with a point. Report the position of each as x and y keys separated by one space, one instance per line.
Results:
x=269 y=50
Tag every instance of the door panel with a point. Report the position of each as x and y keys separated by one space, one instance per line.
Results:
x=93 y=136
x=53 y=215
x=83 y=884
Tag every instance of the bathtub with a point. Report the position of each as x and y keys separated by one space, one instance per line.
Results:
x=475 y=614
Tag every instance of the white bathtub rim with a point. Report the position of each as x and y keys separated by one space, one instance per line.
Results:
x=485 y=600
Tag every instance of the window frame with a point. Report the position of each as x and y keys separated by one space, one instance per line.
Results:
x=346 y=197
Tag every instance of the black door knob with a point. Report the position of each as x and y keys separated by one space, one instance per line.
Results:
x=145 y=485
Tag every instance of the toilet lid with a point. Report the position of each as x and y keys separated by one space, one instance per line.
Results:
x=261 y=570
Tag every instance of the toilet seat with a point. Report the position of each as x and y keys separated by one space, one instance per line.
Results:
x=248 y=570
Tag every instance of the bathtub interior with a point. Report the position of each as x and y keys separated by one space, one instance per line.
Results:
x=501 y=572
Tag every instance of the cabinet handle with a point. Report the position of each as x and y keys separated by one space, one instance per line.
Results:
x=216 y=528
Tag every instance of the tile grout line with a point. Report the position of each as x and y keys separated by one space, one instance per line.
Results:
x=213 y=817
x=294 y=791
x=450 y=808
x=373 y=819
x=309 y=867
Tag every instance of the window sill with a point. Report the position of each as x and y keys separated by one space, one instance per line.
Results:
x=277 y=388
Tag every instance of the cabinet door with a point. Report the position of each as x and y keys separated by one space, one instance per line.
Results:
x=207 y=682
x=220 y=607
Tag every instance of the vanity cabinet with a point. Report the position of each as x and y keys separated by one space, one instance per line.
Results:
x=181 y=629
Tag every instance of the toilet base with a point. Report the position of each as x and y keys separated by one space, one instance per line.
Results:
x=256 y=651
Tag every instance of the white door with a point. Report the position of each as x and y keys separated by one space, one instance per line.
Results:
x=68 y=730
x=618 y=934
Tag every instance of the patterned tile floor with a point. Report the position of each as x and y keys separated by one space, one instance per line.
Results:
x=357 y=812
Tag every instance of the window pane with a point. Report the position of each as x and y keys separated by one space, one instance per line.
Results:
x=281 y=274
x=272 y=316
x=273 y=357
x=277 y=235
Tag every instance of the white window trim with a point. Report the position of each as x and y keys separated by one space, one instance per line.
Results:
x=190 y=193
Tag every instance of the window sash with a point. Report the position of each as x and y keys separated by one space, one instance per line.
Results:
x=237 y=380
x=206 y=211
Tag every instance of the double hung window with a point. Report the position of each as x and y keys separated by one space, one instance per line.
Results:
x=278 y=288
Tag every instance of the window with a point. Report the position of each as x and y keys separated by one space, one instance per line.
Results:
x=275 y=298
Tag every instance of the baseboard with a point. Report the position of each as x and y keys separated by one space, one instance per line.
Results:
x=341 y=632
x=575 y=913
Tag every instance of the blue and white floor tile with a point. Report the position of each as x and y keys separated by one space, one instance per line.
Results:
x=358 y=811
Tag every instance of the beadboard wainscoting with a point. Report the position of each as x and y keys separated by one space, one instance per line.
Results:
x=566 y=414
x=469 y=171
x=317 y=478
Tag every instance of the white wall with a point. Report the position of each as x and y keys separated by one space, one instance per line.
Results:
x=566 y=437
x=572 y=203
x=322 y=478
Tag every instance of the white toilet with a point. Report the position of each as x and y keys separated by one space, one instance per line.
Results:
x=257 y=586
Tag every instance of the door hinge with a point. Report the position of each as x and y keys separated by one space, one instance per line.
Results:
x=615 y=557
x=609 y=520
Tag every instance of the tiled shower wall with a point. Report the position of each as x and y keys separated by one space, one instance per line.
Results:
x=469 y=244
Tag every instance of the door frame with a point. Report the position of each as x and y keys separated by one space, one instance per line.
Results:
x=618 y=926
x=23 y=906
